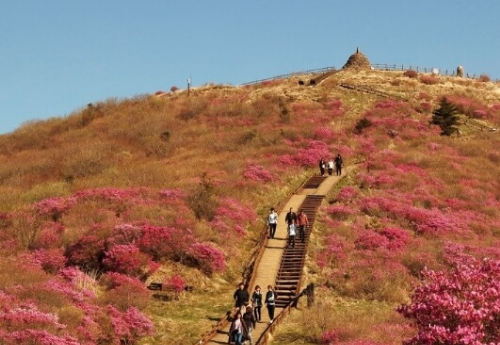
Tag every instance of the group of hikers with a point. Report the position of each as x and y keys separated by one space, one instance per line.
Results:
x=337 y=163
x=248 y=312
x=248 y=308
x=295 y=224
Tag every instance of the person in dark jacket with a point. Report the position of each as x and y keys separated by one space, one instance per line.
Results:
x=291 y=217
x=270 y=302
x=250 y=322
x=257 y=302
x=338 y=164
x=241 y=296
x=322 y=167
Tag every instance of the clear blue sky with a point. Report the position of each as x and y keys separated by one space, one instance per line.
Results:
x=56 y=56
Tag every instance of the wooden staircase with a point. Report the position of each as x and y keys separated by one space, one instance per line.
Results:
x=288 y=278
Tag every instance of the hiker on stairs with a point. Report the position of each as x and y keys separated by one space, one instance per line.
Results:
x=241 y=297
x=238 y=330
x=257 y=302
x=272 y=222
x=271 y=302
x=302 y=223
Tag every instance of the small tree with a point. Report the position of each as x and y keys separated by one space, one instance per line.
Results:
x=361 y=125
x=203 y=201
x=445 y=117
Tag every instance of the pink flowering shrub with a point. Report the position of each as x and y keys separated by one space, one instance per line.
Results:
x=208 y=258
x=165 y=242
x=53 y=207
x=124 y=291
x=457 y=307
x=231 y=208
x=86 y=253
x=397 y=237
x=51 y=260
x=308 y=156
x=425 y=107
x=257 y=173
x=35 y=337
x=323 y=133
x=335 y=108
x=126 y=259
x=130 y=325
x=340 y=212
x=421 y=220
x=172 y=194
x=359 y=342
x=49 y=236
x=231 y=217
x=469 y=106
x=175 y=282
x=330 y=337
x=334 y=251
x=371 y=240
x=347 y=194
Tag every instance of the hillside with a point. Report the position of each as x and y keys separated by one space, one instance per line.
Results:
x=175 y=188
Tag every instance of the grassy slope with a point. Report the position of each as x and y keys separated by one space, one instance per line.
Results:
x=168 y=142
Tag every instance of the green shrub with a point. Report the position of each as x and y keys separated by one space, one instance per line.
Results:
x=445 y=117
x=202 y=201
x=361 y=125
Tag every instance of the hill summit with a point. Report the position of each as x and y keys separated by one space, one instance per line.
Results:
x=175 y=188
x=357 y=61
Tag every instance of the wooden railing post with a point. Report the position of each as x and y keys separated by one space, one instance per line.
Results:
x=310 y=295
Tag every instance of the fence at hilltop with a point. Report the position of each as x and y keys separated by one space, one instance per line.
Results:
x=378 y=67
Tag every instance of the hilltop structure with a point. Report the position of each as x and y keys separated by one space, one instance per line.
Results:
x=357 y=61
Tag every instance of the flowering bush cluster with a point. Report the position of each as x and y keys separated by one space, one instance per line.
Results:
x=54 y=207
x=25 y=320
x=232 y=214
x=175 y=282
x=469 y=106
x=457 y=307
x=308 y=156
x=257 y=173
x=209 y=258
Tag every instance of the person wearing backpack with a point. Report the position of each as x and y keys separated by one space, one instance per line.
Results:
x=292 y=232
x=257 y=302
x=250 y=321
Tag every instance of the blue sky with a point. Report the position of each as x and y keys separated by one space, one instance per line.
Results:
x=56 y=56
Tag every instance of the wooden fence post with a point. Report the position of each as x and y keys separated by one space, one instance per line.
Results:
x=310 y=295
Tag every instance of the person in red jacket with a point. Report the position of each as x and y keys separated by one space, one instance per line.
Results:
x=302 y=222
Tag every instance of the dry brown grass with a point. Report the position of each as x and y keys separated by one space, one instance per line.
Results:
x=170 y=141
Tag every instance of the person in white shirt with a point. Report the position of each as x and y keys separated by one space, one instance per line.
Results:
x=330 y=167
x=272 y=222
